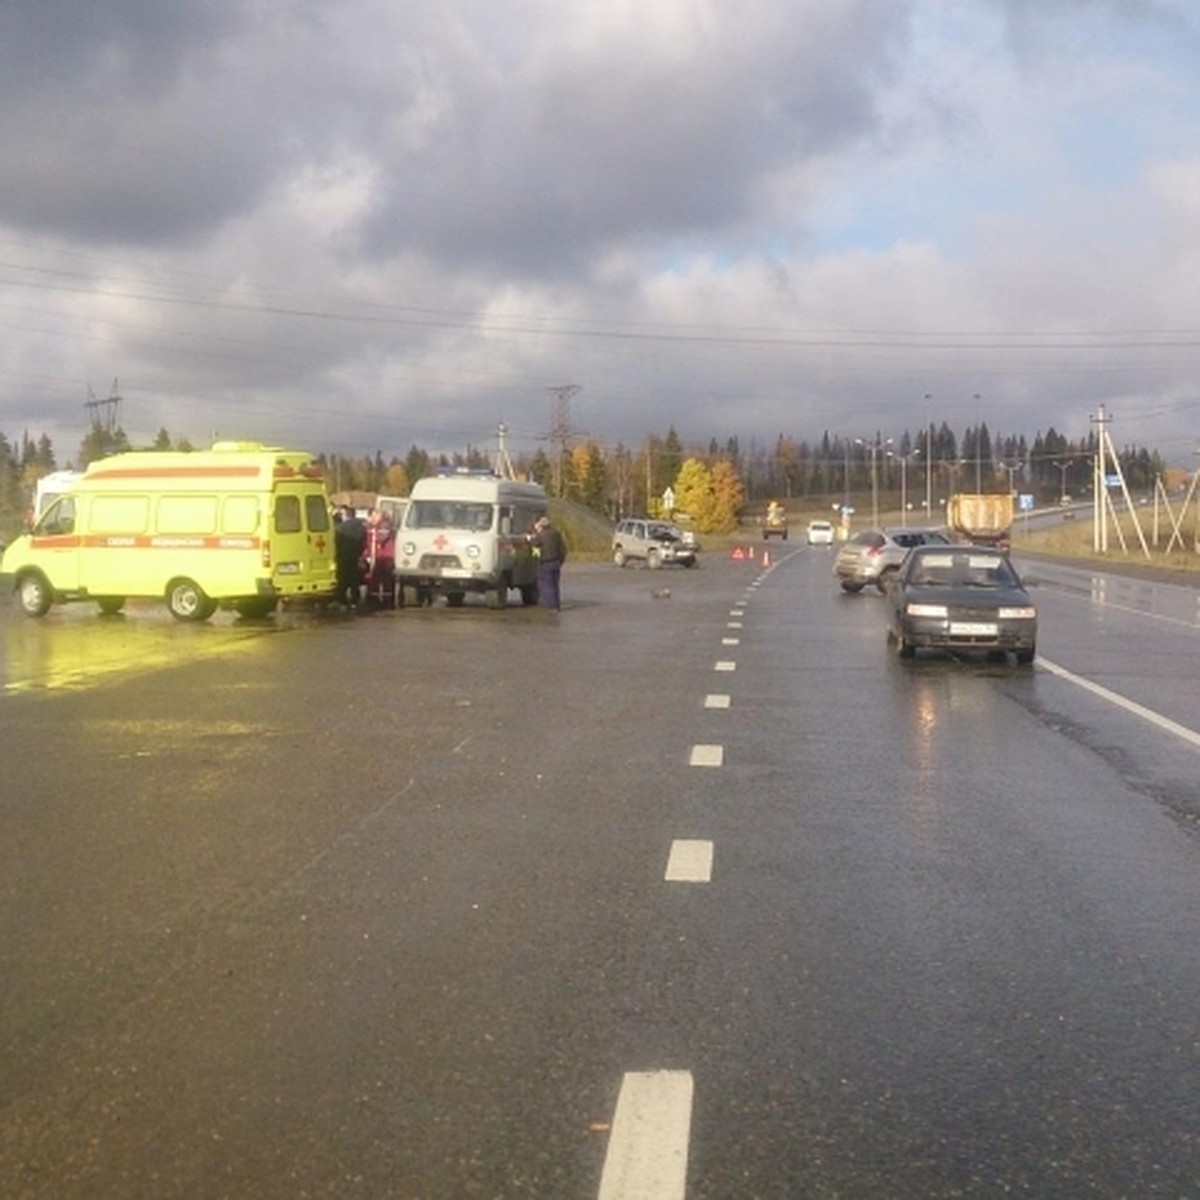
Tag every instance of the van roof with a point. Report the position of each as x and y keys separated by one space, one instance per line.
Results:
x=475 y=487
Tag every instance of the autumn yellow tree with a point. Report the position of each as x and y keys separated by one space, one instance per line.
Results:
x=710 y=497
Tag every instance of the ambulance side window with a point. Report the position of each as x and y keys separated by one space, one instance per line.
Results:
x=506 y=520
x=187 y=515
x=287 y=514
x=239 y=515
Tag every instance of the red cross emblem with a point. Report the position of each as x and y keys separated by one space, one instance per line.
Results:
x=441 y=541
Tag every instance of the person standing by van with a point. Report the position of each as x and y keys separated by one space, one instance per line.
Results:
x=551 y=550
x=350 y=539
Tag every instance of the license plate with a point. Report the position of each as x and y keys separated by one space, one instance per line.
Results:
x=455 y=573
x=973 y=629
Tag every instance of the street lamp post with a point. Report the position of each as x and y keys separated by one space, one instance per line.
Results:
x=928 y=457
x=904 y=484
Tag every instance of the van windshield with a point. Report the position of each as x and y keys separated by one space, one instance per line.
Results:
x=447 y=514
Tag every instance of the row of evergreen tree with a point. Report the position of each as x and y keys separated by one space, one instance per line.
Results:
x=622 y=480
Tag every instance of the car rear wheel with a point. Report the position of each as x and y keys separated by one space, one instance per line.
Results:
x=653 y=559
x=849 y=585
x=1025 y=657
x=886 y=578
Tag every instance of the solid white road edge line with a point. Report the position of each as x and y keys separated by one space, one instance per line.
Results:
x=648 y=1147
x=1138 y=710
x=690 y=861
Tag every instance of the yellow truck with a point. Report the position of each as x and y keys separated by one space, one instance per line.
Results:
x=775 y=522
x=240 y=526
x=983 y=518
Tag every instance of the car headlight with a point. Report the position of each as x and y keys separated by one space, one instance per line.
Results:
x=1017 y=614
x=472 y=551
x=409 y=549
x=927 y=610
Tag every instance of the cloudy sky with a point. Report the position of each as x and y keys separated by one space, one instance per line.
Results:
x=361 y=225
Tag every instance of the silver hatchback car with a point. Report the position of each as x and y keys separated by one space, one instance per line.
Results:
x=654 y=542
x=874 y=555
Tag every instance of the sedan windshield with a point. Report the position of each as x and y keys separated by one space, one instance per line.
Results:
x=962 y=570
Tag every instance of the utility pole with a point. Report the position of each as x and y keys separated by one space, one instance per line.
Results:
x=502 y=464
x=1099 y=491
x=560 y=429
x=978 y=447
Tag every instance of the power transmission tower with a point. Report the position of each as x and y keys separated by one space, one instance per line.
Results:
x=560 y=429
x=106 y=413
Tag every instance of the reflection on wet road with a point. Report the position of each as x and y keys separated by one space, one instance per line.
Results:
x=75 y=648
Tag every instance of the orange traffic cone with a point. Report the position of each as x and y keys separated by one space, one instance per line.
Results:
x=766 y=557
x=737 y=552
x=750 y=552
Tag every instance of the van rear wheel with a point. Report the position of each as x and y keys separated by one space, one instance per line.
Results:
x=34 y=595
x=187 y=601
x=254 y=607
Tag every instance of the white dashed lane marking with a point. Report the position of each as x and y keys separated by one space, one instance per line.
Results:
x=725 y=665
x=707 y=756
x=716 y=700
x=731 y=641
x=648 y=1147
x=690 y=861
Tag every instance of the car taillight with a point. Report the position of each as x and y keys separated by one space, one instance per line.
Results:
x=873 y=550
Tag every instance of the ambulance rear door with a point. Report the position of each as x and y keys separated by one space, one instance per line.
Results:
x=301 y=539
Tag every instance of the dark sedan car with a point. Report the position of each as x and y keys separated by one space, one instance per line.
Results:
x=961 y=598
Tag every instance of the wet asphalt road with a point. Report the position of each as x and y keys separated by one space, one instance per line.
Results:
x=376 y=907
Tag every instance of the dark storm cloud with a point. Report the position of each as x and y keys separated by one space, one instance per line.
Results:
x=538 y=164
x=122 y=121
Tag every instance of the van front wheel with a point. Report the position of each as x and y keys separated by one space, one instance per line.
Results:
x=33 y=594
x=187 y=601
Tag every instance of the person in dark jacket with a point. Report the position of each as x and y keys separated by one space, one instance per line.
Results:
x=551 y=550
x=349 y=545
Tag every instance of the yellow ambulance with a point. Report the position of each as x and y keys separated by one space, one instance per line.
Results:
x=240 y=526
